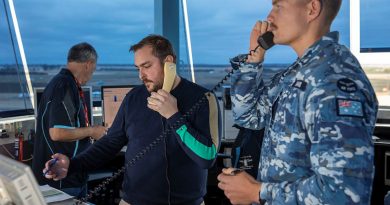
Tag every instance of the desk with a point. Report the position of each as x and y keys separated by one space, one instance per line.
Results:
x=379 y=188
x=7 y=148
x=8 y=140
x=58 y=197
x=66 y=202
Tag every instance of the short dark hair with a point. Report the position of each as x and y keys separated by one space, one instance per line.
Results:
x=160 y=45
x=331 y=8
x=81 y=53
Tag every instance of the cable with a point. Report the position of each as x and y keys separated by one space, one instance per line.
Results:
x=167 y=164
x=12 y=156
x=29 y=159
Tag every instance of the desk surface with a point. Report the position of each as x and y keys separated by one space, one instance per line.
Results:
x=7 y=140
x=66 y=202
x=382 y=142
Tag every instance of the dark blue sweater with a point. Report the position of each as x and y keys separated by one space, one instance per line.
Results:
x=175 y=170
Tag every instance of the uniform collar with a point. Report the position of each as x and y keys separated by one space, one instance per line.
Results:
x=329 y=38
x=65 y=71
x=312 y=51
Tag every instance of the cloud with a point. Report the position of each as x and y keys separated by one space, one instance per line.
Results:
x=219 y=28
x=53 y=26
x=219 y=32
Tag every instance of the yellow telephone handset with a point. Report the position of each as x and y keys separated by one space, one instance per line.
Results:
x=169 y=76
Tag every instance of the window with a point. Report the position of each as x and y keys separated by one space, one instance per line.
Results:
x=52 y=27
x=370 y=44
x=14 y=95
x=221 y=29
x=374 y=29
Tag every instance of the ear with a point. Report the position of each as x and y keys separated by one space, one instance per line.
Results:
x=314 y=9
x=86 y=65
x=89 y=63
x=169 y=58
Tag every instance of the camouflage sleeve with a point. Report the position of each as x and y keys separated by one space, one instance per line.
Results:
x=339 y=125
x=250 y=106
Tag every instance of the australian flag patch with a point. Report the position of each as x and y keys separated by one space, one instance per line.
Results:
x=347 y=107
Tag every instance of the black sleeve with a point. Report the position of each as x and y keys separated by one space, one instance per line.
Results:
x=105 y=149
x=61 y=107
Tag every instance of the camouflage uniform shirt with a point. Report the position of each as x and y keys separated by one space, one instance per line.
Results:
x=319 y=115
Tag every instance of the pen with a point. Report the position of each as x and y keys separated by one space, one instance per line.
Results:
x=50 y=165
x=236 y=171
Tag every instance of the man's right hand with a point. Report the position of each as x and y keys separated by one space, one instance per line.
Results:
x=57 y=170
x=98 y=131
x=239 y=187
x=257 y=56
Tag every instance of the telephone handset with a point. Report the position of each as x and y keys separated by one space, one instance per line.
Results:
x=266 y=41
x=169 y=76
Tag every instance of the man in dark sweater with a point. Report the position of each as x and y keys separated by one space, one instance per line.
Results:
x=174 y=171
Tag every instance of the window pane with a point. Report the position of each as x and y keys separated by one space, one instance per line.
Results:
x=220 y=30
x=374 y=24
x=13 y=89
x=184 y=61
x=374 y=31
x=52 y=27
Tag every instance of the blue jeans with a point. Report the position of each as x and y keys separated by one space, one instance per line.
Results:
x=77 y=192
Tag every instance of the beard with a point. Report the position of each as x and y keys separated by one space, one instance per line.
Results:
x=151 y=86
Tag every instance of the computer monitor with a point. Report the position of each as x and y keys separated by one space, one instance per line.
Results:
x=17 y=183
x=87 y=90
x=112 y=97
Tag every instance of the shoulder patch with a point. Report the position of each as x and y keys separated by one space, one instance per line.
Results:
x=351 y=108
x=347 y=85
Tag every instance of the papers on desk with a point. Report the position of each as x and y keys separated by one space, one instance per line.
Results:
x=52 y=194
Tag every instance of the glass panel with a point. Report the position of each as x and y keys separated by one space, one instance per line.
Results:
x=341 y=24
x=183 y=62
x=374 y=25
x=52 y=27
x=13 y=93
x=380 y=80
x=220 y=30
x=374 y=32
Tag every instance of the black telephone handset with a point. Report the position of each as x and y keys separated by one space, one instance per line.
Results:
x=265 y=41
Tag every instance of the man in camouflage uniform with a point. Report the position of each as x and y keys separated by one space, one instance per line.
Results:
x=318 y=114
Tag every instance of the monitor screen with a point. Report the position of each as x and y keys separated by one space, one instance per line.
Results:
x=112 y=97
x=17 y=183
x=87 y=90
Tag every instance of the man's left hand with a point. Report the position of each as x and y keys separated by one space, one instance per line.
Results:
x=163 y=103
x=240 y=188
